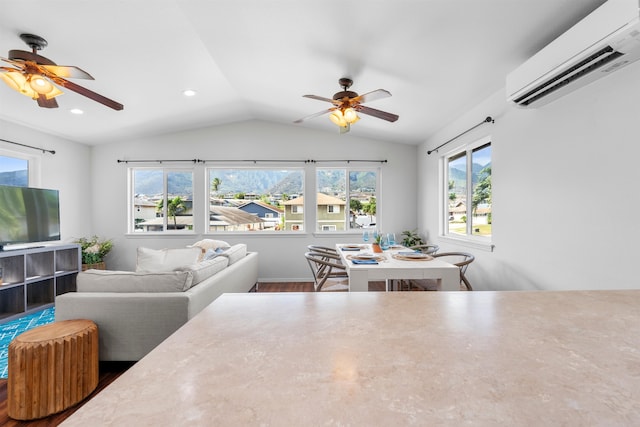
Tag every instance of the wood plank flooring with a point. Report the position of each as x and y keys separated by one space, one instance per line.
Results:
x=109 y=371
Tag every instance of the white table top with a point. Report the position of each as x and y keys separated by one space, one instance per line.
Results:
x=398 y=358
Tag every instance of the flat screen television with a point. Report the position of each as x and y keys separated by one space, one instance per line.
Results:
x=28 y=215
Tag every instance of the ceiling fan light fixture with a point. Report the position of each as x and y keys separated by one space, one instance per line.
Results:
x=350 y=115
x=337 y=118
x=30 y=85
x=40 y=84
x=18 y=82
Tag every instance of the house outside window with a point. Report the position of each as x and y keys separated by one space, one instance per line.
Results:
x=161 y=200
x=467 y=200
x=346 y=198
x=255 y=199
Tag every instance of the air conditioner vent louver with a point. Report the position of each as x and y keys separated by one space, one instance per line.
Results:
x=592 y=63
x=606 y=40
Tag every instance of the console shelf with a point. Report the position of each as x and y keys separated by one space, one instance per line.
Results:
x=32 y=278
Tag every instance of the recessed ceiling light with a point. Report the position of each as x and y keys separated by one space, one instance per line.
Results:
x=76 y=111
x=189 y=92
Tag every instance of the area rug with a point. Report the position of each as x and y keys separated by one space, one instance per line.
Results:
x=10 y=330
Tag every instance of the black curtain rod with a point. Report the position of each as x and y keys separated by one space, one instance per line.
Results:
x=29 y=146
x=351 y=161
x=249 y=161
x=487 y=120
x=162 y=161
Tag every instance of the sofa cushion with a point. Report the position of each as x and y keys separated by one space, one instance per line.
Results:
x=129 y=281
x=154 y=260
x=206 y=244
x=235 y=253
x=205 y=269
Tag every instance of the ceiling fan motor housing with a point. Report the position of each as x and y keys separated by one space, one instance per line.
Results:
x=344 y=94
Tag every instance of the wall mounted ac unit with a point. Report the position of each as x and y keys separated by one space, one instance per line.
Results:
x=603 y=42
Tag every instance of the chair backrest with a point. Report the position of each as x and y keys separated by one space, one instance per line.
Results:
x=322 y=249
x=460 y=259
x=426 y=249
x=322 y=266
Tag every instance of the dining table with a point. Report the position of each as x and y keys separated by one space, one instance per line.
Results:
x=395 y=263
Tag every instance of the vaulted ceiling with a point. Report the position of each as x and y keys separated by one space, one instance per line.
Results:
x=254 y=59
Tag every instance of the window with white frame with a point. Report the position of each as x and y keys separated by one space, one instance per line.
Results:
x=346 y=198
x=14 y=170
x=467 y=195
x=275 y=203
x=161 y=200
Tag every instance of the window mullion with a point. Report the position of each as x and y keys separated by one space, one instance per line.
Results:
x=165 y=200
x=469 y=189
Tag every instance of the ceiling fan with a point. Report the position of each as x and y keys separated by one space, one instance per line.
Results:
x=38 y=77
x=347 y=104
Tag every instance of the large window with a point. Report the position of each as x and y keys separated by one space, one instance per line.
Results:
x=467 y=204
x=161 y=200
x=346 y=199
x=14 y=171
x=251 y=199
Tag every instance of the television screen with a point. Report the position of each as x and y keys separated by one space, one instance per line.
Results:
x=28 y=215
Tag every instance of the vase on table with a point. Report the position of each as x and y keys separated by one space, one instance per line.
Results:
x=376 y=248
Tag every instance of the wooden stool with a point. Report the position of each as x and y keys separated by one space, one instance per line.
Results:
x=51 y=368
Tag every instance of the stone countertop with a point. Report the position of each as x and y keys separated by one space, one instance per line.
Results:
x=398 y=358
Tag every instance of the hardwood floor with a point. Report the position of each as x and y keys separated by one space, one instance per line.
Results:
x=109 y=371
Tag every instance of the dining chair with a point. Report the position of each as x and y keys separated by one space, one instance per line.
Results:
x=322 y=249
x=462 y=260
x=328 y=273
x=459 y=259
x=332 y=255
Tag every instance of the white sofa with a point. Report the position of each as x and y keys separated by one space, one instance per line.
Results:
x=136 y=311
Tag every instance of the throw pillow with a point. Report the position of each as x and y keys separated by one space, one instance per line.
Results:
x=210 y=244
x=129 y=281
x=211 y=254
x=206 y=244
x=152 y=260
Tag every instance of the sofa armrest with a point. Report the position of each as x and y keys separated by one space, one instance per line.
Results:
x=130 y=325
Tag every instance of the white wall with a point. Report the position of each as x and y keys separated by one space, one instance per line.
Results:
x=281 y=257
x=564 y=189
x=68 y=170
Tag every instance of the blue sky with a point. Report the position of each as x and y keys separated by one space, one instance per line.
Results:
x=10 y=164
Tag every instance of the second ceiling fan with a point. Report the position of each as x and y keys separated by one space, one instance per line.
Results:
x=347 y=104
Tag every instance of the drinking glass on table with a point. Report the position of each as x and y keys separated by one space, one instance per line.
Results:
x=365 y=235
x=384 y=243
x=391 y=237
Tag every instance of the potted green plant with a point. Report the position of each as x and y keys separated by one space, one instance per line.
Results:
x=411 y=238
x=375 y=246
x=94 y=249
